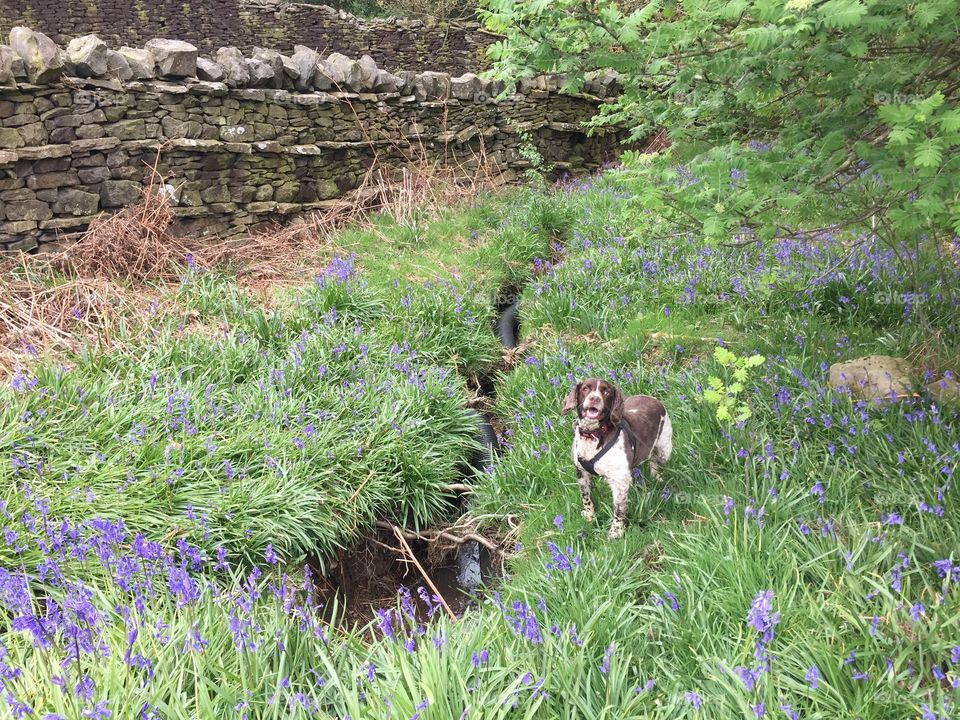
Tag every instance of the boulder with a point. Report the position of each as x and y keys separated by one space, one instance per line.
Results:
x=261 y=74
x=302 y=67
x=117 y=66
x=945 y=391
x=874 y=377
x=274 y=61
x=141 y=62
x=209 y=70
x=344 y=72
x=42 y=59
x=431 y=86
x=466 y=86
x=321 y=78
x=387 y=82
x=236 y=73
x=88 y=56
x=368 y=72
x=7 y=58
x=174 y=58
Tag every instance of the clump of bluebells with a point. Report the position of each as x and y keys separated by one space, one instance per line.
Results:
x=161 y=550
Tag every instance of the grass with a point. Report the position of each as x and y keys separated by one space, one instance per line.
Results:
x=802 y=563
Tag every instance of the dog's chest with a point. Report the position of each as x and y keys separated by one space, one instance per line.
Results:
x=613 y=463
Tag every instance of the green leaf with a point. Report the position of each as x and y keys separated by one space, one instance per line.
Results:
x=842 y=13
x=901 y=135
x=929 y=153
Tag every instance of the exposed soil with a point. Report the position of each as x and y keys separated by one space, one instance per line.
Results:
x=368 y=576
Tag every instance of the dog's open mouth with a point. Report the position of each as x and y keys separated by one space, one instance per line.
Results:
x=591 y=413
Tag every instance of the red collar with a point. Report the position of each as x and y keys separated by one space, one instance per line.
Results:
x=597 y=434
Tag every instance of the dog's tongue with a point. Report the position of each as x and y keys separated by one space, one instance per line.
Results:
x=592 y=413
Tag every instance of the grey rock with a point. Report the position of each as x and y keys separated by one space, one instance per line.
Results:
x=302 y=67
x=28 y=210
x=209 y=71
x=88 y=56
x=368 y=72
x=275 y=61
x=344 y=72
x=235 y=70
x=76 y=202
x=321 y=78
x=466 y=86
x=388 y=82
x=261 y=74
x=42 y=59
x=945 y=391
x=141 y=63
x=119 y=193
x=874 y=377
x=174 y=58
x=431 y=85
x=7 y=58
x=118 y=66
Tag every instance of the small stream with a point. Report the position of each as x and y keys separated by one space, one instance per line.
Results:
x=368 y=575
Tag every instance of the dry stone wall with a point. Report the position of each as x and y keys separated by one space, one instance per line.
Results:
x=210 y=24
x=244 y=140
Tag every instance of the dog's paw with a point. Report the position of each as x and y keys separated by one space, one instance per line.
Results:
x=587 y=515
x=616 y=531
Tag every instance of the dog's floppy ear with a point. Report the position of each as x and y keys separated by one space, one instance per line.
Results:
x=616 y=410
x=570 y=402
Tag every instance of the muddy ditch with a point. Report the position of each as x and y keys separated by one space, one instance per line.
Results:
x=445 y=561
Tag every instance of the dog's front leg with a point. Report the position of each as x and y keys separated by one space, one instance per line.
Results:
x=583 y=479
x=620 y=489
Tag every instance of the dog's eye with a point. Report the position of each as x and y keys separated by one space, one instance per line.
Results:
x=606 y=391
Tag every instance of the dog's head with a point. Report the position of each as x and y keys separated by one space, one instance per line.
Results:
x=595 y=400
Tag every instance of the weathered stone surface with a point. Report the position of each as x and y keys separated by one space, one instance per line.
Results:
x=128 y=130
x=209 y=70
x=874 y=377
x=10 y=138
x=7 y=57
x=141 y=62
x=344 y=72
x=261 y=74
x=466 y=86
x=174 y=58
x=118 y=66
x=246 y=154
x=42 y=59
x=368 y=72
x=28 y=210
x=235 y=70
x=431 y=86
x=94 y=175
x=88 y=56
x=945 y=391
x=301 y=67
x=52 y=180
x=119 y=193
x=76 y=202
x=388 y=82
x=274 y=61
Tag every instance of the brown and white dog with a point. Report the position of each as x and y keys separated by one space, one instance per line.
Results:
x=613 y=435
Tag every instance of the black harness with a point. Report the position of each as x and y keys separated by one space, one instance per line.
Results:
x=588 y=465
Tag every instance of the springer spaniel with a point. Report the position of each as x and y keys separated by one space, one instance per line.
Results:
x=613 y=435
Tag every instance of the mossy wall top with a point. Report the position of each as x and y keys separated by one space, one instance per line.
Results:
x=277 y=24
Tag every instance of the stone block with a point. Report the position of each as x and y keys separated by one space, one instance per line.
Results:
x=76 y=202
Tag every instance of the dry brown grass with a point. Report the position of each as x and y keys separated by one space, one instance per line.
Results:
x=57 y=302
